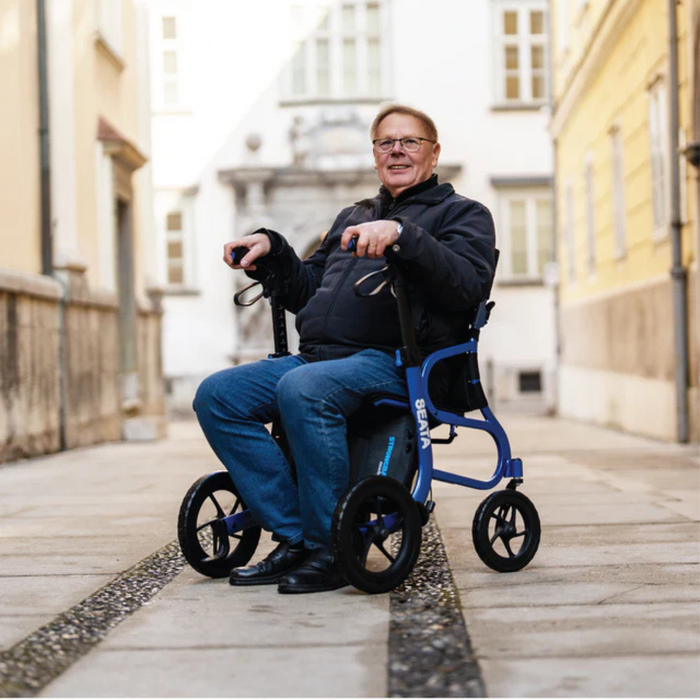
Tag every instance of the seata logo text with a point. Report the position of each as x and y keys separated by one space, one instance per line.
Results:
x=423 y=423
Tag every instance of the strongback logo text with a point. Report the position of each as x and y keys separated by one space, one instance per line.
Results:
x=423 y=428
x=384 y=465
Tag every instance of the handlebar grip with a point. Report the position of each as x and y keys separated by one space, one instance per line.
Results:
x=238 y=253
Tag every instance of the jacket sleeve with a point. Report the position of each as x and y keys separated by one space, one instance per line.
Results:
x=295 y=280
x=455 y=267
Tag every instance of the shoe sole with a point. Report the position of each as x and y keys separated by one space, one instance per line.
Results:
x=260 y=580
x=256 y=582
x=291 y=588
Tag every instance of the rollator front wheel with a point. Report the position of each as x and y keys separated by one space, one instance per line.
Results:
x=204 y=539
x=376 y=534
x=506 y=531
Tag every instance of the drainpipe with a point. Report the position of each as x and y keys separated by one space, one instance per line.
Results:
x=46 y=224
x=44 y=153
x=679 y=275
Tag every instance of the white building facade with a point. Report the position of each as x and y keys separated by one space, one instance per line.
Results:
x=261 y=118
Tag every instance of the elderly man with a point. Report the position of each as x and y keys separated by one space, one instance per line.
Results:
x=445 y=245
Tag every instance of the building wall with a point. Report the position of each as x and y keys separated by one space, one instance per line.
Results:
x=64 y=380
x=616 y=320
x=106 y=85
x=226 y=97
x=20 y=238
x=29 y=357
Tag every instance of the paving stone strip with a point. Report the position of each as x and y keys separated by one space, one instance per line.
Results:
x=430 y=653
x=41 y=657
x=429 y=649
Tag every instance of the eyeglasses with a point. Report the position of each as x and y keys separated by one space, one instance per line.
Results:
x=410 y=144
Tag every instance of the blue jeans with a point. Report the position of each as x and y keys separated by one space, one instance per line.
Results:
x=313 y=401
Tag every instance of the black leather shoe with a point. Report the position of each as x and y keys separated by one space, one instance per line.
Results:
x=318 y=573
x=280 y=561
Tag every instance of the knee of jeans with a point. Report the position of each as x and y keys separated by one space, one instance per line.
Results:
x=210 y=397
x=295 y=387
x=303 y=386
x=287 y=390
x=204 y=394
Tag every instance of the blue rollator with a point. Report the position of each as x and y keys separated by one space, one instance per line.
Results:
x=377 y=524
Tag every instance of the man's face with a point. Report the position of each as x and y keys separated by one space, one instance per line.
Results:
x=397 y=169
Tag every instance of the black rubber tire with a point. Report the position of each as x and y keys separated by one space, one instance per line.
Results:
x=501 y=510
x=370 y=499
x=225 y=551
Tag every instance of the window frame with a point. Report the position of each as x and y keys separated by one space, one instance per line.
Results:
x=658 y=158
x=524 y=40
x=619 y=210
x=562 y=16
x=530 y=195
x=167 y=202
x=173 y=235
x=109 y=21
x=305 y=45
x=570 y=229
x=160 y=80
x=589 y=190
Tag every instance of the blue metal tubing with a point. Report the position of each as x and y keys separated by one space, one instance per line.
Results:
x=239 y=521
x=495 y=430
x=421 y=405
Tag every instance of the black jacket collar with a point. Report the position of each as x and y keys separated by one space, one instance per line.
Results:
x=426 y=192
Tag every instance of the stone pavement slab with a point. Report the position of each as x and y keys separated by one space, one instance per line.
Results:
x=205 y=637
x=308 y=671
x=599 y=677
x=238 y=616
x=610 y=604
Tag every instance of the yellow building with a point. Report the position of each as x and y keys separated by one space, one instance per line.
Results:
x=621 y=315
x=79 y=335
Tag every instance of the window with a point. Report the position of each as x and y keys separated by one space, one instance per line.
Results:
x=527 y=231
x=338 y=51
x=590 y=213
x=167 y=64
x=618 y=191
x=109 y=24
x=173 y=228
x=529 y=382
x=569 y=232
x=175 y=216
x=521 y=53
x=658 y=137
x=562 y=19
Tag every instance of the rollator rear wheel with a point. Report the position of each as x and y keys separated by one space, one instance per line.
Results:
x=506 y=531
x=204 y=540
x=376 y=534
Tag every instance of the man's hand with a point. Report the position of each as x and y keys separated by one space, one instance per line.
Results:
x=372 y=238
x=258 y=245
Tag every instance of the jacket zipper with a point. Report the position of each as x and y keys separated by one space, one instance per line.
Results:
x=334 y=298
x=346 y=274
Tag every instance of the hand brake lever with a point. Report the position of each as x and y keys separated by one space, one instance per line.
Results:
x=238 y=295
x=377 y=289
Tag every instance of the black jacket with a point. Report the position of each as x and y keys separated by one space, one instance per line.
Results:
x=447 y=252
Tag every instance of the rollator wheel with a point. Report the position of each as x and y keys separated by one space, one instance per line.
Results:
x=204 y=540
x=376 y=534
x=506 y=531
